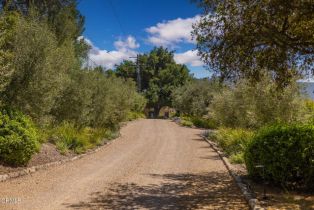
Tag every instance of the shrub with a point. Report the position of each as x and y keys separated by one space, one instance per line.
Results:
x=68 y=137
x=250 y=105
x=194 y=97
x=111 y=134
x=199 y=122
x=134 y=115
x=203 y=123
x=18 y=138
x=186 y=123
x=41 y=65
x=233 y=142
x=308 y=110
x=286 y=151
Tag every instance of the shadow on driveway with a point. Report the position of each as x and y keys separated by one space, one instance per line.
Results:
x=213 y=190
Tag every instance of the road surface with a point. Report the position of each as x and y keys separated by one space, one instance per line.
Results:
x=155 y=164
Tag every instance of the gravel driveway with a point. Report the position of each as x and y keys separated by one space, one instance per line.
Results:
x=155 y=164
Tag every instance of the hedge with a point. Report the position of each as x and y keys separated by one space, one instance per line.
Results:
x=287 y=153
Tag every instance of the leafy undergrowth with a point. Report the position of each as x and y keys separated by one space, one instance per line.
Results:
x=18 y=138
x=287 y=154
x=199 y=122
x=135 y=115
x=69 y=138
x=232 y=141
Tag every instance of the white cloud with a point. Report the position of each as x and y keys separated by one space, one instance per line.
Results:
x=172 y=32
x=108 y=59
x=189 y=57
x=130 y=42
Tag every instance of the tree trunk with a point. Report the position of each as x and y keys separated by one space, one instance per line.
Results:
x=156 y=111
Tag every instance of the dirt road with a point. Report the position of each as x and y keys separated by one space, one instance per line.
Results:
x=155 y=164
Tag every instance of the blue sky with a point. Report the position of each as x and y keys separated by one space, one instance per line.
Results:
x=118 y=29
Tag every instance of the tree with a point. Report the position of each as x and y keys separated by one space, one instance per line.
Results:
x=237 y=38
x=8 y=23
x=195 y=97
x=40 y=66
x=127 y=69
x=75 y=102
x=62 y=16
x=159 y=76
x=242 y=105
x=97 y=100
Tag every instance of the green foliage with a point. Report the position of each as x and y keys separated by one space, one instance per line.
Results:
x=160 y=75
x=40 y=69
x=194 y=97
x=286 y=151
x=67 y=137
x=135 y=115
x=126 y=70
x=138 y=102
x=308 y=110
x=252 y=106
x=18 y=138
x=62 y=16
x=187 y=123
x=232 y=141
x=238 y=38
x=201 y=122
x=8 y=22
x=41 y=54
x=95 y=100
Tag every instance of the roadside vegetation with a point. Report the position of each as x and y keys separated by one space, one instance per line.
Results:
x=46 y=93
x=257 y=52
x=57 y=98
x=253 y=100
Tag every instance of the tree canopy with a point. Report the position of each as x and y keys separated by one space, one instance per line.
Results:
x=63 y=17
x=194 y=97
x=238 y=38
x=159 y=76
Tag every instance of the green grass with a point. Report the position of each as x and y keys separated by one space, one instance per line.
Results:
x=69 y=138
x=233 y=141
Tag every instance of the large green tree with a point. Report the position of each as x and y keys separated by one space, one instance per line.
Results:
x=38 y=68
x=159 y=76
x=237 y=38
x=194 y=97
x=62 y=15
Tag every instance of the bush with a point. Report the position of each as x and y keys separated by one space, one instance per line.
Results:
x=41 y=65
x=308 y=111
x=286 y=151
x=67 y=137
x=135 y=115
x=198 y=122
x=186 y=123
x=233 y=142
x=194 y=97
x=204 y=123
x=248 y=105
x=18 y=138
